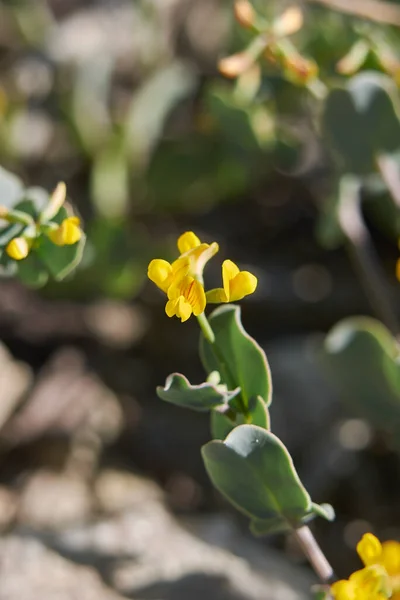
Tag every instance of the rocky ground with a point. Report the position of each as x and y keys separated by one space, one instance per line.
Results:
x=129 y=547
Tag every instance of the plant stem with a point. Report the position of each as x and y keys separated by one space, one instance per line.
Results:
x=390 y=173
x=363 y=255
x=206 y=328
x=313 y=552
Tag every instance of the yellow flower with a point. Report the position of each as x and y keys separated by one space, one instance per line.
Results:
x=381 y=576
x=237 y=284
x=387 y=555
x=185 y=297
x=182 y=280
x=18 y=248
x=67 y=233
x=370 y=583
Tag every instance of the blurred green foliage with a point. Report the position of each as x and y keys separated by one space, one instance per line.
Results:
x=144 y=129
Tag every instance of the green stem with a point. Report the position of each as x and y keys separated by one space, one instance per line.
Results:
x=390 y=174
x=15 y=216
x=313 y=552
x=363 y=255
x=206 y=328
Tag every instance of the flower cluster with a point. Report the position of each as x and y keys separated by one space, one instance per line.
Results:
x=182 y=281
x=66 y=233
x=380 y=577
x=272 y=42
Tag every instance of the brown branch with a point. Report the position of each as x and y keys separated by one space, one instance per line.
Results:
x=374 y=10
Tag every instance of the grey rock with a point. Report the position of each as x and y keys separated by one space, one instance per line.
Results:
x=29 y=571
x=146 y=553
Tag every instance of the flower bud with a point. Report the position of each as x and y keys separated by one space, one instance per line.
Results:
x=244 y=13
x=18 y=248
x=236 y=64
x=290 y=21
x=299 y=69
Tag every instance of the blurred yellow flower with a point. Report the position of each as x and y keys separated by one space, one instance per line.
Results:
x=370 y=583
x=66 y=234
x=18 y=248
x=379 y=579
x=236 y=284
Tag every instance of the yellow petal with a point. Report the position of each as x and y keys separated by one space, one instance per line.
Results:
x=344 y=590
x=183 y=309
x=67 y=233
x=372 y=583
x=180 y=268
x=242 y=285
x=199 y=256
x=170 y=307
x=159 y=272
x=369 y=549
x=192 y=291
x=179 y=307
x=72 y=231
x=196 y=297
x=229 y=271
x=188 y=241
x=390 y=557
x=216 y=296
x=18 y=248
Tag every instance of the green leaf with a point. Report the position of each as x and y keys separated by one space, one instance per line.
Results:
x=362 y=120
x=237 y=356
x=326 y=511
x=60 y=260
x=33 y=202
x=363 y=358
x=271 y=526
x=258 y=412
x=203 y=397
x=32 y=272
x=260 y=527
x=255 y=472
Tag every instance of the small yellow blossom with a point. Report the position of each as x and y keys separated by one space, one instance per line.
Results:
x=236 y=284
x=379 y=579
x=66 y=234
x=18 y=248
x=182 y=280
x=185 y=297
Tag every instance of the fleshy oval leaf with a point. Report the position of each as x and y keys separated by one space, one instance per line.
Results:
x=255 y=472
x=236 y=355
x=362 y=120
x=363 y=359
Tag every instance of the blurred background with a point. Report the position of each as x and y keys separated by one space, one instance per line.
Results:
x=103 y=493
